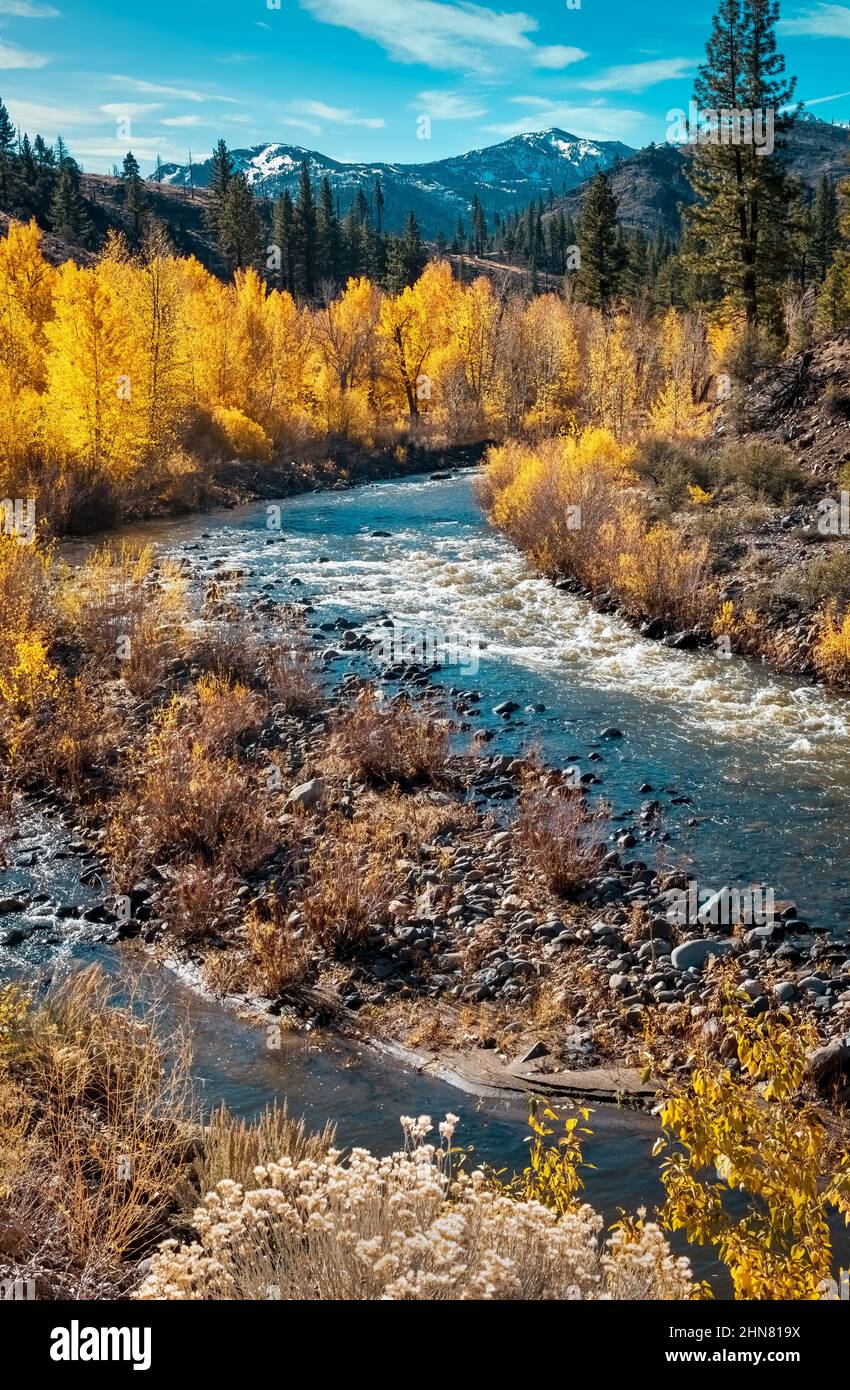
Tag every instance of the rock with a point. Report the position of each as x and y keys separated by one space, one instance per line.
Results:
x=784 y=991
x=506 y=707
x=539 y=1049
x=694 y=954
x=682 y=641
x=620 y=984
x=813 y=984
x=611 y=733
x=11 y=905
x=307 y=795
x=829 y=1064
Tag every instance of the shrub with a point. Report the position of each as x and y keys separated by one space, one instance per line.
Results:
x=127 y=614
x=184 y=799
x=765 y=471
x=661 y=573
x=200 y=903
x=97 y=1099
x=831 y=647
x=827 y=579
x=562 y=837
x=286 y=670
x=240 y=434
x=754 y=1136
x=388 y=744
x=750 y=351
x=349 y=887
x=403 y=1227
x=671 y=466
x=278 y=958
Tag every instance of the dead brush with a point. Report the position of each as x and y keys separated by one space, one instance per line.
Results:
x=279 y=961
x=562 y=838
x=127 y=612
x=183 y=799
x=200 y=904
x=349 y=888
x=226 y=711
x=229 y=647
x=390 y=744
x=286 y=669
x=232 y=1147
x=109 y=1097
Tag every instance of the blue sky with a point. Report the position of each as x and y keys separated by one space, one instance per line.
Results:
x=352 y=77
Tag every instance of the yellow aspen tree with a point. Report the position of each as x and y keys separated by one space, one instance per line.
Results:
x=90 y=369
x=26 y=282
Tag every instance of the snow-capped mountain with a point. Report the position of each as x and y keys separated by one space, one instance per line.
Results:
x=503 y=176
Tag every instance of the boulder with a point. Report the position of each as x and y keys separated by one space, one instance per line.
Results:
x=694 y=954
x=307 y=795
x=830 y=1064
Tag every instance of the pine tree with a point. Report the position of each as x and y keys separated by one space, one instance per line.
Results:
x=826 y=237
x=305 y=229
x=130 y=168
x=738 y=225
x=283 y=236
x=599 y=278
x=67 y=210
x=327 y=236
x=221 y=173
x=362 y=207
x=239 y=229
x=479 y=227
x=379 y=206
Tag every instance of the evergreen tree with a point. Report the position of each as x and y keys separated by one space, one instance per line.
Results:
x=479 y=227
x=283 y=236
x=362 y=207
x=239 y=228
x=67 y=210
x=221 y=173
x=406 y=257
x=327 y=236
x=130 y=168
x=379 y=205
x=599 y=279
x=305 y=229
x=826 y=237
x=739 y=222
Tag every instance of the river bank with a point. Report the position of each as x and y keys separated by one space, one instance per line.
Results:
x=465 y=937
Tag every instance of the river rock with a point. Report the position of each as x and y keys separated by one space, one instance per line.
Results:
x=8 y=905
x=506 y=707
x=694 y=954
x=829 y=1064
x=307 y=795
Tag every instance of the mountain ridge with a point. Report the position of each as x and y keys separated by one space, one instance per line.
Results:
x=505 y=176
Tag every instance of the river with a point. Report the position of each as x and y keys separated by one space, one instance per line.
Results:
x=751 y=770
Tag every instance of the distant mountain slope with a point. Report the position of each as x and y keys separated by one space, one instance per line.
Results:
x=651 y=183
x=503 y=176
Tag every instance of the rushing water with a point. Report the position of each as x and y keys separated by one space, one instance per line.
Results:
x=761 y=759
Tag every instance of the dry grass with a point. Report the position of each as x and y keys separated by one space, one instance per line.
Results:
x=199 y=904
x=278 y=958
x=390 y=744
x=349 y=887
x=185 y=799
x=233 y=1147
x=96 y=1100
x=562 y=837
x=128 y=614
x=287 y=673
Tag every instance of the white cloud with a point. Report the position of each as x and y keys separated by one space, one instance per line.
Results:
x=130 y=108
x=183 y=120
x=448 y=106
x=818 y=101
x=301 y=125
x=337 y=114
x=636 y=77
x=591 y=122
x=461 y=36
x=822 y=21
x=13 y=57
x=38 y=116
x=24 y=9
